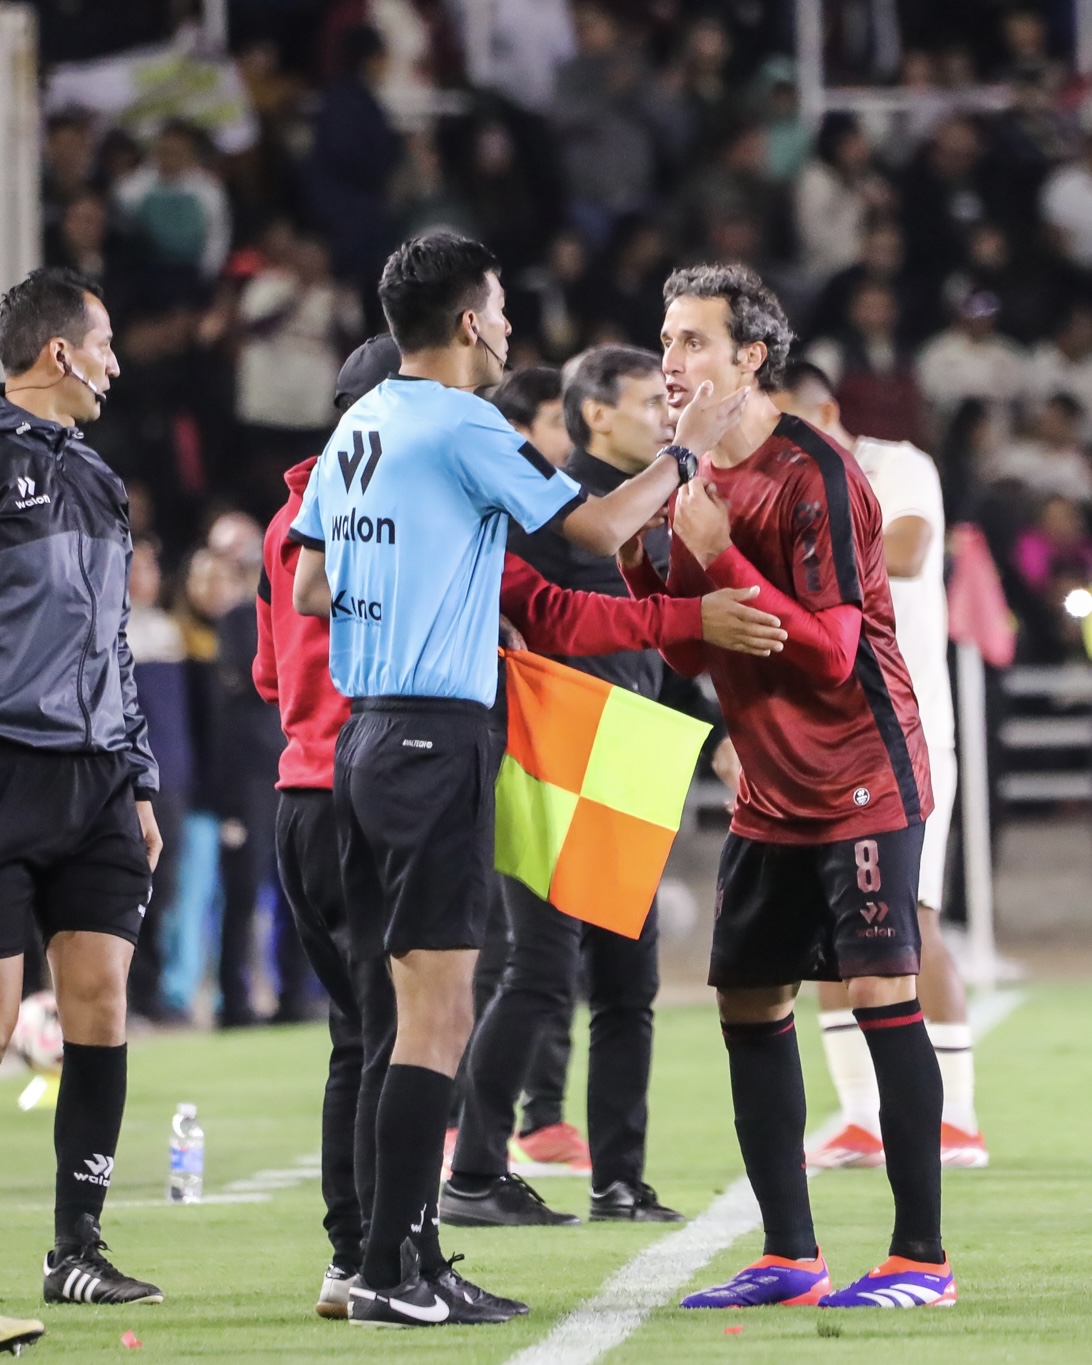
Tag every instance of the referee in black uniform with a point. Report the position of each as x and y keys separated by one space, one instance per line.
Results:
x=78 y=839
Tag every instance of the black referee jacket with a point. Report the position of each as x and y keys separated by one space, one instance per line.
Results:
x=66 y=670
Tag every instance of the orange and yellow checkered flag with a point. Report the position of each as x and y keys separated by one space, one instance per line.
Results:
x=590 y=791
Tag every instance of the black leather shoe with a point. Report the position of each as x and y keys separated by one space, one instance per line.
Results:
x=508 y=1202
x=623 y=1202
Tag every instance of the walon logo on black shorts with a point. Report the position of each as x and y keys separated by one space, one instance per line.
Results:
x=357 y=608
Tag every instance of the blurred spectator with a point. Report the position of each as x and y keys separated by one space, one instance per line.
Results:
x=964 y=455
x=550 y=305
x=788 y=137
x=945 y=191
x=84 y=240
x=737 y=185
x=1066 y=201
x=210 y=587
x=178 y=206
x=836 y=191
x=297 y=326
x=500 y=196
x=531 y=400
x=1051 y=461
x=632 y=294
x=356 y=151
x=1051 y=558
x=515 y=48
x=1063 y=364
x=159 y=670
x=1027 y=288
x=119 y=156
x=698 y=84
x=1028 y=58
x=603 y=115
x=68 y=157
x=871 y=369
x=970 y=360
x=424 y=197
x=248 y=747
x=881 y=261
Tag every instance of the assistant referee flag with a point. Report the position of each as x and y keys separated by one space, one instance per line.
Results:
x=590 y=791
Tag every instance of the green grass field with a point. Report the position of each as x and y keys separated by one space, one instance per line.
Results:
x=241 y=1279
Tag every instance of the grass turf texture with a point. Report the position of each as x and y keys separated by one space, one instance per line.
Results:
x=241 y=1279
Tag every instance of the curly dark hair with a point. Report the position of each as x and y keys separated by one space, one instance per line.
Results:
x=754 y=312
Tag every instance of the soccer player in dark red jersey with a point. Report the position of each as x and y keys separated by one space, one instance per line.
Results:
x=818 y=877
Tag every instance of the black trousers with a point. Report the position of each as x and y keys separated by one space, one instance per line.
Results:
x=170 y=813
x=362 y=1014
x=539 y=982
x=544 y=1084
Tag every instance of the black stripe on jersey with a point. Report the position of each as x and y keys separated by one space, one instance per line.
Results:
x=836 y=486
x=265 y=590
x=308 y=542
x=537 y=459
x=866 y=668
x=577 y=500
x=869 y=674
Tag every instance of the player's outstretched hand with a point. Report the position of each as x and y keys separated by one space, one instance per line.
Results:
x=729 y=624
x=509 y=636
x=702 y=521
x=705 y=420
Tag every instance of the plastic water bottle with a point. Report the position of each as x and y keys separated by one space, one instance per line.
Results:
x=187 y=1157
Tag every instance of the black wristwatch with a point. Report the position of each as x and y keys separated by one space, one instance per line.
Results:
x=686 y=460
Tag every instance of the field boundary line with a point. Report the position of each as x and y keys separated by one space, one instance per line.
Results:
x=658 y=1272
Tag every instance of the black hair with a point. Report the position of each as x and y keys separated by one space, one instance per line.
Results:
x=1066 y=404
x=50 y=302
x=754 y=312
x=427 y=285
x=801 y=372
x=836 y=126
x=596 y=373
x=520 y=394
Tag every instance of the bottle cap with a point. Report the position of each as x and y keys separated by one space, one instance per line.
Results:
x=187 y=1111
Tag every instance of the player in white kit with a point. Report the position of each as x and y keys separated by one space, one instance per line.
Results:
x=907 y=485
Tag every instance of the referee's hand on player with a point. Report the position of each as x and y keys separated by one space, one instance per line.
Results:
x=729 y=624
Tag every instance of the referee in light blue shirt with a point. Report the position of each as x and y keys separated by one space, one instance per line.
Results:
x=403 y=529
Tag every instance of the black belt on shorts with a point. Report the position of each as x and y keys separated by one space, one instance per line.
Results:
x=460 y=705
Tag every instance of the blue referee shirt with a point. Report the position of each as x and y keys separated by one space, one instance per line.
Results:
x=410 y=502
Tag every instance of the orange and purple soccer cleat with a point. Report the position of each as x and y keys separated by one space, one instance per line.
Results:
x=771 y=1280
x=898 y=1283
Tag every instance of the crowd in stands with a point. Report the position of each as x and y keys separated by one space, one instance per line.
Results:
x=936 y=263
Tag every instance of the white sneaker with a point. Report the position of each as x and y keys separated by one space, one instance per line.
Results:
x=333 y=1299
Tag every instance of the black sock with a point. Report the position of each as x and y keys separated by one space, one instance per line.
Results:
x=768 y=1093
x=911 y=1101
x=409 y=1155
x=90 y=1103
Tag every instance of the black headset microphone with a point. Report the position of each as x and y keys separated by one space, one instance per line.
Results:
x=478 y=337
x=76 y=375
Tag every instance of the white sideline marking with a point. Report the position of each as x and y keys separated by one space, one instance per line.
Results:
x=656 y=1274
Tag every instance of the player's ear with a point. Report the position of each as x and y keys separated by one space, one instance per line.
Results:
x=830 y=413
x=467 y=331
x=752 y=357
x=596 y=414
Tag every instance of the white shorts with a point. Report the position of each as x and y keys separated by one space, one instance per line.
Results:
x=942 y=762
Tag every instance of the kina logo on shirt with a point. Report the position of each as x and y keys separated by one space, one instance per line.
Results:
x=343 y=606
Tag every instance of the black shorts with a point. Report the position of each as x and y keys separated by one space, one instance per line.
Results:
x=71 y=851
x=817 y=912
x=413 y=800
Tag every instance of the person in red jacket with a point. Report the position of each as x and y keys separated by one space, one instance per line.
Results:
x=291 y=671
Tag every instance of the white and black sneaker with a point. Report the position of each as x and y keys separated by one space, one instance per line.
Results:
x=428 y=1301
x=82 y=1274
x=333 y=1299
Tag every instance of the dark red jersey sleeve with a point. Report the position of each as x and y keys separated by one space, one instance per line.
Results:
x=564 y=621
x=820 y=522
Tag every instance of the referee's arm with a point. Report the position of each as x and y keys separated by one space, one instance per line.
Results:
x=310 y=588
x=603 y=525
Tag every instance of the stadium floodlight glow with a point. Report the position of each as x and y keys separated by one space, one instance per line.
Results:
x=1078 y=603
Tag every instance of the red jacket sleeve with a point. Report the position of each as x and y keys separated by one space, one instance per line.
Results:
x=564 y=621
x=684 y=656
x=264 y=668
x=822 y=643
